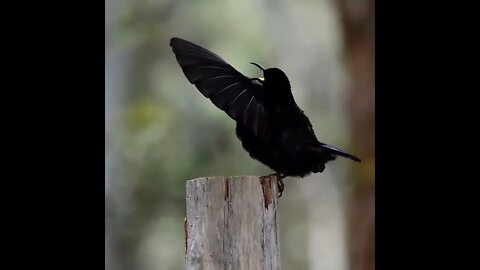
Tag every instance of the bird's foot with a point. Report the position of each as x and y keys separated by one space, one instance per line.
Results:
x=280 y=184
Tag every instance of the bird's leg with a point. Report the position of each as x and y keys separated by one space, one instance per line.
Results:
x=280 y=184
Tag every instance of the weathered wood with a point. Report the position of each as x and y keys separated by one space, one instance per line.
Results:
x=232 y=223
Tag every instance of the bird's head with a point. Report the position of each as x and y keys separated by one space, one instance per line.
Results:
x=274 y=75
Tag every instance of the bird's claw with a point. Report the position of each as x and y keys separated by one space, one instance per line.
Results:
x=280 y=184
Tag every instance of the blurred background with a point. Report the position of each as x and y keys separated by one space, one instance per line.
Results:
x=160 y=131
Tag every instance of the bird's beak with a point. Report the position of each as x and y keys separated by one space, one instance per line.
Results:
x=260 y=67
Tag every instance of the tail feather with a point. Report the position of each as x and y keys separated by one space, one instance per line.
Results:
x=340 y=152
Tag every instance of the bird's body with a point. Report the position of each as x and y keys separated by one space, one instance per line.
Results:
x=270 y=125
x=288 y=135
x=287 y=147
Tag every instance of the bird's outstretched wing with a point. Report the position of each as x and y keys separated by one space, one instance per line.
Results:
x=228 y=89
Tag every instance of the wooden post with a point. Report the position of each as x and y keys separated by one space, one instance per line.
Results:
x=232 y=223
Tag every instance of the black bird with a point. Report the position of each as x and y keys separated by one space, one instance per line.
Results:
x=270 y=125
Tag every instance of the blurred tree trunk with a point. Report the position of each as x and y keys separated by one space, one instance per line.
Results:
x=358 y=29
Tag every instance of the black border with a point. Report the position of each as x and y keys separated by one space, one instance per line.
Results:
x=422 y=152
x=54 y=99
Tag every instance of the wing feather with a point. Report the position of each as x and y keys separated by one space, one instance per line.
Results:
x=227 y=88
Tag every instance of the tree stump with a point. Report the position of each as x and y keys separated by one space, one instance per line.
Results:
x=232 y=223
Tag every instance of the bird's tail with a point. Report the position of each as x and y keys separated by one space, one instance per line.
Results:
x=339 y=152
